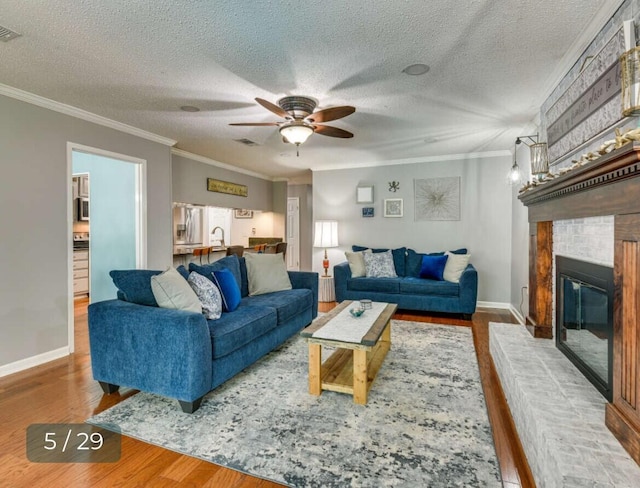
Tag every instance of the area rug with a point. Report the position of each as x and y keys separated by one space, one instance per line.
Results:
x=425 y=423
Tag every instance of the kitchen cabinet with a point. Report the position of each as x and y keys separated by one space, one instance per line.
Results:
x=80 y=272
x=83 y=186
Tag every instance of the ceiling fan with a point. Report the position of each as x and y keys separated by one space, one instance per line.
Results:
x=300 y=119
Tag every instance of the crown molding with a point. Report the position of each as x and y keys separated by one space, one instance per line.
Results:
x=213 y=162
x=418 y=160
x=78 y=113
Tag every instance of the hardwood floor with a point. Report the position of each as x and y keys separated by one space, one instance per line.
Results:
x=63 y=391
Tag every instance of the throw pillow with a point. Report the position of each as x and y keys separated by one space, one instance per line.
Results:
x=433 y=267
x=171 y=290
x=229 y=262
x=356 y=263
x=228 y=286
x=266 y=273
x=379 y=265
x=399 y=257
x=208 y=294
x=456 y=264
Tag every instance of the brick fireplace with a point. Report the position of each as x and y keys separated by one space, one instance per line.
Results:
x=608 y=186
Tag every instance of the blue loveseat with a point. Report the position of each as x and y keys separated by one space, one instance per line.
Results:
x=182 y=355
x=408 y=290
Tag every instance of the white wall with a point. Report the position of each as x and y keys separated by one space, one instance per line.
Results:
x=484 y=227
x=520 y=240
x=34 y=256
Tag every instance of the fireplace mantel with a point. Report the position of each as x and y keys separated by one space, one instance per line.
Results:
x=609 y=185
x=606 y=186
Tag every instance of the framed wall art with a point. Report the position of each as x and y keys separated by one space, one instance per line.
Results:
x=367 y=211
x=364 y=194
x=437 y=198
x=242 y=213
x=393 y=207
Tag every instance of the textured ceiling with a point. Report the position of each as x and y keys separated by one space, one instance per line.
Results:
x=492 y=64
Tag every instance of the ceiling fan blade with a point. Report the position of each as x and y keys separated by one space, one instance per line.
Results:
x=333 y=113
x=327 y=130
x=273 y=108
x=258 y=124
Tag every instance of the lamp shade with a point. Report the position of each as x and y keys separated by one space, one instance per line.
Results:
x=296 y=132
x=326 y=234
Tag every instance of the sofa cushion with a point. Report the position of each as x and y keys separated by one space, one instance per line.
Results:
x=419 y=286
x=208 y=294
x=229 y=262
x=236 y=329
x=172 y=291
x=379 y=265
x=135 y=285
x=433 y=267
x=383 y=285
x=399 y=257
x=414 y=260
x=288 y=303
x=229 y=289
x=267 y=273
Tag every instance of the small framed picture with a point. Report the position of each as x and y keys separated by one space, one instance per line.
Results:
x=364 y=194
x=241 y=213
x=393 y=207
x=367 y=211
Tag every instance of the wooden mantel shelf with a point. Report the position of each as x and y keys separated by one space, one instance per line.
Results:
x=610 y=185
x=590 y=190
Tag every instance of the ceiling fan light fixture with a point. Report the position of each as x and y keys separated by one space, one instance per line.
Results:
x=296 y=132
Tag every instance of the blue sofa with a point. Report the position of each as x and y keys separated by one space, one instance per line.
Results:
x=182 y=355
x=408 y=290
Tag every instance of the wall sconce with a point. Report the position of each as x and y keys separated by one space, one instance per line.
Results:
x=539 y=155
x=515 y=175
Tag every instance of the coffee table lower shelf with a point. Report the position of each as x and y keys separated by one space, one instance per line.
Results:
x=351 y=369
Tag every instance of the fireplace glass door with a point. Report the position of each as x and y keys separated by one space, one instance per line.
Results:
x=584 y=328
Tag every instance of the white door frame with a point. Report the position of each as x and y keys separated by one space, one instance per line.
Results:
x=140 y=223
x=293 y=253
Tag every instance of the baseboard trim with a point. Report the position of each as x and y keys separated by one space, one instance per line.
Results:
x=516 y=313
x=33 y=361
x=500 y=305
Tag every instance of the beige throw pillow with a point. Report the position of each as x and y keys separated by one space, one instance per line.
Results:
x=171 y=290
x=266 y=273
x=356 y=263
x=456 y=264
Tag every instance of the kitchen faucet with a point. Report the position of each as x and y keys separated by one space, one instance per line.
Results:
x=213 y=235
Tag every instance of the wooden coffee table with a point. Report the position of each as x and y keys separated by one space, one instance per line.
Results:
x=354 y=365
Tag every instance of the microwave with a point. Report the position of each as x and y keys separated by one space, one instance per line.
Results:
x=83 y=208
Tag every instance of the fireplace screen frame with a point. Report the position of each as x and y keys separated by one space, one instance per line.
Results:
x=599 y=277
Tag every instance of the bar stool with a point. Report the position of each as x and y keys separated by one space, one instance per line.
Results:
x=237 y=250
x=202 y=251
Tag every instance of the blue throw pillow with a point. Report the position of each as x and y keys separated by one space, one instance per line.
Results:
x=229 y=262
x=229 y=289
x=433 y=267
x=183 y=272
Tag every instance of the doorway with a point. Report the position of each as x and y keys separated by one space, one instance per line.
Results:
x=113 y=219
x=293 y=234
